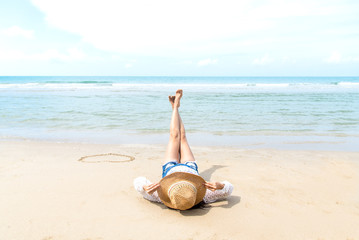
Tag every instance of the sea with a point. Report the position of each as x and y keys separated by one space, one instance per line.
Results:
x=314 y=113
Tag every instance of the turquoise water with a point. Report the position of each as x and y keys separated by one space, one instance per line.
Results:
x=230 y=109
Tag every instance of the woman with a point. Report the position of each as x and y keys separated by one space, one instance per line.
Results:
x=181 y=187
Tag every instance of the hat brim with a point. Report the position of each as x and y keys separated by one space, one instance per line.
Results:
x=167 y=181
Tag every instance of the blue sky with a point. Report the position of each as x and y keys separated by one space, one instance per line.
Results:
x=210 y=38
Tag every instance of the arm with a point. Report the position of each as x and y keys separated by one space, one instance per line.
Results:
x=142 y=183
x=217 y=191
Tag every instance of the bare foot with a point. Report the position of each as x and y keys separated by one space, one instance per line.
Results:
x=172 y=100
x=178 y=96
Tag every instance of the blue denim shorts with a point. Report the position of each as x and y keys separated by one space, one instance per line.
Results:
x=168 y=166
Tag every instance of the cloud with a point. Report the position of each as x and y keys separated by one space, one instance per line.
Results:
x=146 y=26
x=162 y=27
x=206 y=62
x=16 y=31
x=336 y=57
x=128 y=65
x=72 y=54
x=263 y=60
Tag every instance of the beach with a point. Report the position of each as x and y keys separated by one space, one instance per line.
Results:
x=70 y=148
x=47 y=193
x=100 y=99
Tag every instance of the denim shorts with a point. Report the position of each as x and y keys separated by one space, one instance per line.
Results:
x=168 y=166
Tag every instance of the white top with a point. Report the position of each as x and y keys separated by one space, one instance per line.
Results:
x=208 y=198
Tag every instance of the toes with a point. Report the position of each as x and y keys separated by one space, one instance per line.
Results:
x=171 y=99
x=179 y=91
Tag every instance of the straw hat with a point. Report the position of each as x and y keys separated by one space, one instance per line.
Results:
x=181 y=190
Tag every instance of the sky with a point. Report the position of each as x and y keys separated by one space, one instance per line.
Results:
x=179 y=38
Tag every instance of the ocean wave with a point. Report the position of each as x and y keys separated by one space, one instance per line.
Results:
x=349 y=84
x=52 y=86
x=91 y=85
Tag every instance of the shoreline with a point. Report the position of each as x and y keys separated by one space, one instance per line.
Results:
x=278 y=142
x=47 y=193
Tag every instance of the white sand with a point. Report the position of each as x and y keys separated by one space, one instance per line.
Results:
x=46 y=193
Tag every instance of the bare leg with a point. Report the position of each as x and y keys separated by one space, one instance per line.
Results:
x=184 y=149
x=173 y=147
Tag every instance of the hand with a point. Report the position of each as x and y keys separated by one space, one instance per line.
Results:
x=213 y=186
x=150 y=189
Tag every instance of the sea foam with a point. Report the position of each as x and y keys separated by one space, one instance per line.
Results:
x=250 y=86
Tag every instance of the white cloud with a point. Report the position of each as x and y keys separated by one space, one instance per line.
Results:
x=128 y=65
x=263 y=60
x=146 y=26
x=336 y=57
x=206 y=62
x=75 y=54
x=162 y=27
x=16 y=31
x=72 y=54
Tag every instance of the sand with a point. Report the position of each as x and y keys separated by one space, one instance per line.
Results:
x=46 y=193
